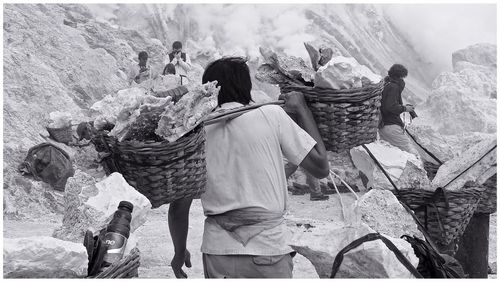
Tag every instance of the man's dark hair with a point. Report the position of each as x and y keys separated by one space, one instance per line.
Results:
x=177 y=45
x=397 y=71
x=143 y=54
x=233 y=77
x=169 y=69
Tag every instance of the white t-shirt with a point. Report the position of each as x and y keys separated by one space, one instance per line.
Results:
x=181 y=66
x=245 y=169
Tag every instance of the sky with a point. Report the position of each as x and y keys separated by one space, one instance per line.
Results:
x=437 y=30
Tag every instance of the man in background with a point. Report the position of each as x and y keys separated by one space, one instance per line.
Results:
x=391 y=127
x=179 y=59
x=141 y=71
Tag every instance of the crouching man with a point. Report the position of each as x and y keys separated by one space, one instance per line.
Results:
x=245 y=235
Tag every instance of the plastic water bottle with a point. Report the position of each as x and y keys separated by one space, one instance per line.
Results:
x=117 y=233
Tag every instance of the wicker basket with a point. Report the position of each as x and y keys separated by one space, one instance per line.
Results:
x=161 y=171
x=346 y=118
x=488 y=199
x=488 y=202
x=127 y=267
x=444 y=214
x=62 y=135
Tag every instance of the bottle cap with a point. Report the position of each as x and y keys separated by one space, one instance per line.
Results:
x=126 y=205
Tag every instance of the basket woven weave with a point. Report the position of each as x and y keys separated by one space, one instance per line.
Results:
x=346 y=118
x=162 y=171
x=488 y=199
x=127 y=267
x=445 y=214
x=488 y=202
x=62 y=135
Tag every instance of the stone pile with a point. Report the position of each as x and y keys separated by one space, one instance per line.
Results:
x=479 y=172
x=43 y=257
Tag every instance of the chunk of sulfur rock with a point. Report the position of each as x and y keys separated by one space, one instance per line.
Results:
x=381 y=210
x=91 y=207
x=43 y=257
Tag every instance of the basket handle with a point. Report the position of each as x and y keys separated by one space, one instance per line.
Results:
x=233 y=113
x=336 y=190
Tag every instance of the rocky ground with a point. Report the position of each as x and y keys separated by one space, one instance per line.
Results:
x=156 y=246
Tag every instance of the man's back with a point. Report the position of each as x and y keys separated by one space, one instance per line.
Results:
x=245 y=169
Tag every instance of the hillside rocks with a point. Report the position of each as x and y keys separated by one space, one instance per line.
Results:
x=91 y=205
x=381 y=211
x=432 y=141
x=404 y=168
x=452 y=168
x=321 y=243
x=51 y=66
x=43 y=257
x=464 y=100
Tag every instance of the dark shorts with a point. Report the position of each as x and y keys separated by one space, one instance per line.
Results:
x=248 y=266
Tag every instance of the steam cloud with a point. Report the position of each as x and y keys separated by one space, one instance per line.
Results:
x=437 y=30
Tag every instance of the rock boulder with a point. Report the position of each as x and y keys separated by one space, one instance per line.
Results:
x=484 y=54
x=91 y=205
x=43 y=257
x=432 y=141
x=382 y=212
x=452 y=168
x=405 y=169
x=464 y=101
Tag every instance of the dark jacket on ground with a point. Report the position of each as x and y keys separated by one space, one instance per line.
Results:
x=392 y=104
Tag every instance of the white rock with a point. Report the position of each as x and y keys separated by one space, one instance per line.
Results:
x=92 y=206
x=432 y=141
x=394 y=161
x=452 y=168
x=484 y=54
x=322 y=242
x=464 y=101
x=111 y=106
x=343 y=73
x=43 y=257
x=381 y=211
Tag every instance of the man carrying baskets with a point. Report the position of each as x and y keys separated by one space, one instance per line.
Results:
x=245 y=198
x=391 y=127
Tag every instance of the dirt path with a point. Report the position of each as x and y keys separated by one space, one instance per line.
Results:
x=157 y=249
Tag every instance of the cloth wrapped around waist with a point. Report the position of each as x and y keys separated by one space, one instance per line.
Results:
x=244 y=224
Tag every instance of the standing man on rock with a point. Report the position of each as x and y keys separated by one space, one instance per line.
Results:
x=245 y=235
x=179 y=59
x=391 y=127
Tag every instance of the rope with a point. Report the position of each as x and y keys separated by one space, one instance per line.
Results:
x=381 y=168
x=345 y=183
x=491 y=150
x=337 y=190
x=422 y=147
x=338 y=193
